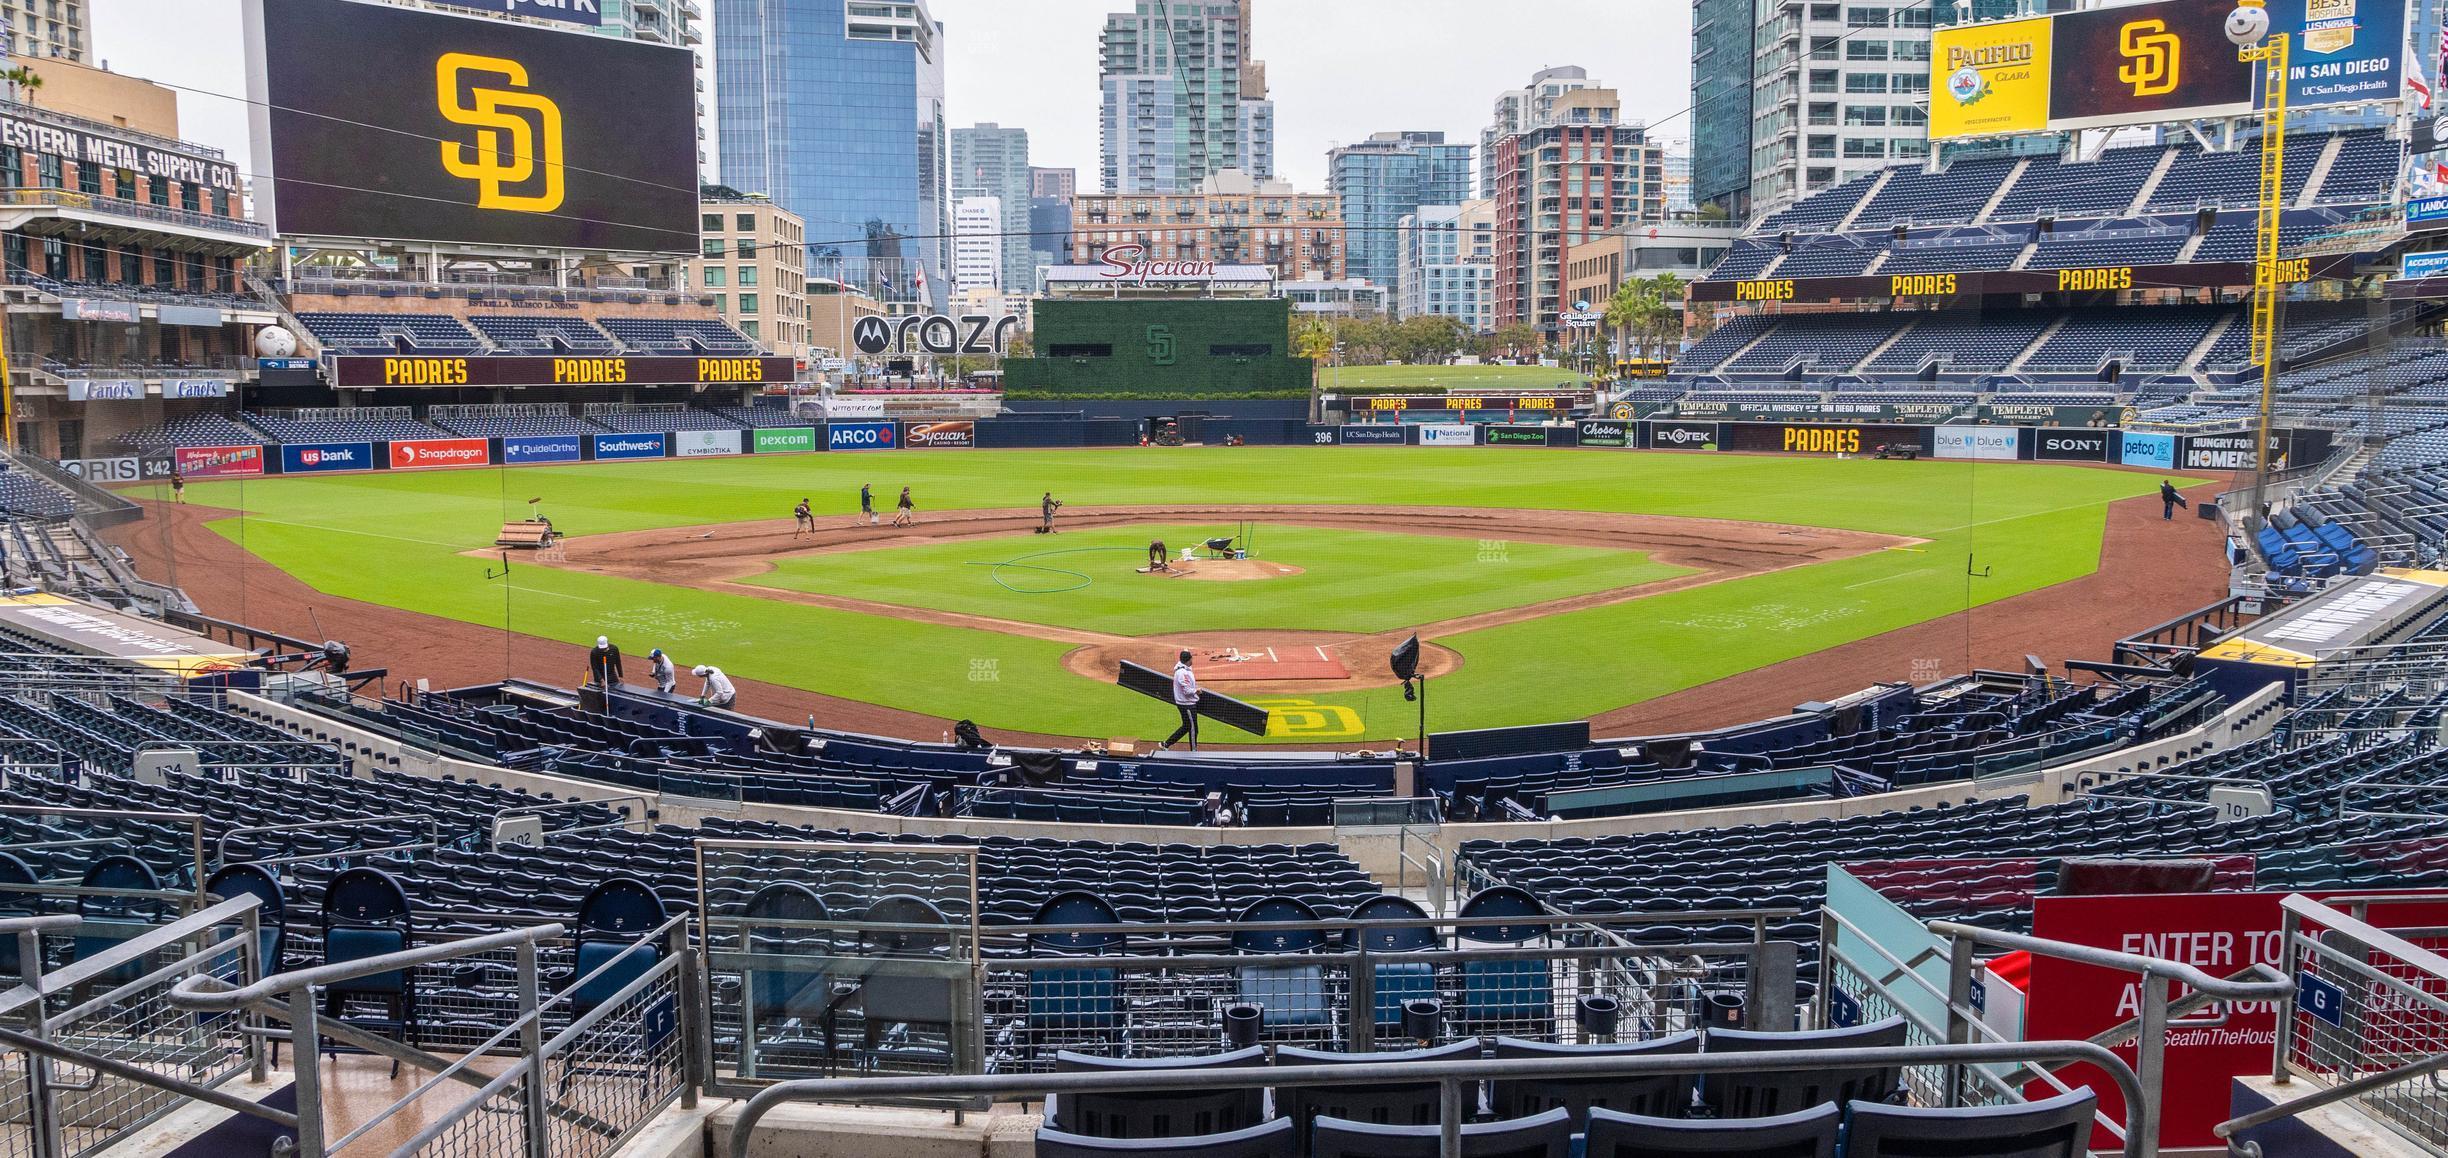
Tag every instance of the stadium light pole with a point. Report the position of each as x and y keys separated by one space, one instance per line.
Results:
x=2248 y=27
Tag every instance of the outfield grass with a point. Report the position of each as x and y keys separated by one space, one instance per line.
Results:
x=1350 y=580
x=395 y=538
x=1380 y=379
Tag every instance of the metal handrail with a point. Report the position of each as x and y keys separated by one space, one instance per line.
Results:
x=2130 y=962
x=1450 y=1075
x=195 y=992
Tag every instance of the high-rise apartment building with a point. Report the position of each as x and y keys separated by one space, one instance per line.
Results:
x=1044 y=182
x=1521 y=109
x=1182 y=98
x=834 y=108
x=1721 y=60
x=1449 y=263
x=992 y=161
x=1382 y=180
x=977 y=243
x=1580 y=173
x=45 y=29
x=1837 y=90
x=754 y=262
x=1231 y=219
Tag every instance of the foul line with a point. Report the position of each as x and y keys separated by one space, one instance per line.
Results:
x=1886 y=578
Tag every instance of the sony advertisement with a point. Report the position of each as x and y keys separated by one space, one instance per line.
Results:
x=2071 y=445
x=388 y=122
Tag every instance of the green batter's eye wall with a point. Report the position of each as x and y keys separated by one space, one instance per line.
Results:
x=1173 y=346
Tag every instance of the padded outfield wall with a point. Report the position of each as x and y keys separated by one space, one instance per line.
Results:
x=1161 y=347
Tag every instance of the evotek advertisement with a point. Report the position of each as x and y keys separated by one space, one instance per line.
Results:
x=540 y=448
x=363 y=370
x=1682 y=435
x=860 y=436
x=315 y=457
x=378 y=121
x=612 y=447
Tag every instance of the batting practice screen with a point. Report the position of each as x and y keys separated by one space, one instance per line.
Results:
x=409 y=125
x=1168 y=346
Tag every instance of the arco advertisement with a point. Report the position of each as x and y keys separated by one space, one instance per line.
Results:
x=540 y=448
x=783 y=439
x=616 y=447
x=704 y=443
x=956 y=435
x=1992 y=443
x=861 y=436
x=319 y=457
x=437 y=452
x=217 y=461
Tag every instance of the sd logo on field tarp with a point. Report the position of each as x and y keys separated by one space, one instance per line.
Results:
x=1310 y=718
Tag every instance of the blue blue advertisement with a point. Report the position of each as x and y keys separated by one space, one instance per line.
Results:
x=311 y=457
x=2157 y=451
x=540 y=448
x=2343 y=51
x=618 y=446
x=860 y=436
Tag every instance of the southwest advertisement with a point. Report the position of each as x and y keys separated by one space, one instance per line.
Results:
x=615 y=447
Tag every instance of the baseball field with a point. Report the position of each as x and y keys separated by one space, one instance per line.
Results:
x=1550 y=585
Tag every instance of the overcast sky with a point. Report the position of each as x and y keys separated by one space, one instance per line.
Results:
x=1339 y=69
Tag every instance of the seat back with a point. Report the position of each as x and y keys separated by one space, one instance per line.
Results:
x=785 y=990
x=1157 y=1113
x=614 y=915
x=365 y=914
x=1547 y=1135
x=248 y=880
x=1081 y=998
x=1276 y=1139
x=1762 y=1095
x=1654 y=1095
x=110 y=920
x=2059 y=1127
x=1807 y=1133
x=15 y=903
x=892 y=996
x=1388 y=1103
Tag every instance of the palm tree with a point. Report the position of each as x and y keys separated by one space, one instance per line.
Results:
x=23 y=83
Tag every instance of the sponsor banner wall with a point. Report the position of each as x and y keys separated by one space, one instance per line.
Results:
x=318 y=457
x=1447 y=434
x=2071 y=445
x=2157 y=451
x=418 y=454
x=959 y=434
x=217 y=461
x=861 y=436
x=615 y=447
x=782 y=439
x=1982 y=442
x=1668 y=435
x=704 y=443
x=2229 y=451
x=104 y=470
x=1606 y=432
x=540 y=448
x=1498 y=434
x=1372 y=434
x=371 y=370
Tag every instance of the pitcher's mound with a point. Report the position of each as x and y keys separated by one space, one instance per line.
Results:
x=1226 y=570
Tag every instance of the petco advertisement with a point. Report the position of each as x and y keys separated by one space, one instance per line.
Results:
x=783 y=439
x=1448 y=434
x=217 y=461
x=1983 y=442
x=2157 y=451
x=860 y=436
x=939 y=435
x=620 y=446
x=704 y=443
x=1371 y=434
x=540 y=448
x=1606 y=434
x=2071 y=445
x=431 y=452
x=311 y=457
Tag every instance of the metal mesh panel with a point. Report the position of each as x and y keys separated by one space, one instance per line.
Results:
x=493 y=1128
x=608 y=1078
x=16 y=1107
x=138 y=1026
x=2390 y=1013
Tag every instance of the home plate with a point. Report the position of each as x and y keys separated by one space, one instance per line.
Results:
x=1231 y=664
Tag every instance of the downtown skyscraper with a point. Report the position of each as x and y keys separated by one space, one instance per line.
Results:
x=1182 y=98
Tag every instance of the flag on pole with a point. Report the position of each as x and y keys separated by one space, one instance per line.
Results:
x=924 y=298
x=2416 y=85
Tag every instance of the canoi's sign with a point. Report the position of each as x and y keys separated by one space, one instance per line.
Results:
x=1128 y=262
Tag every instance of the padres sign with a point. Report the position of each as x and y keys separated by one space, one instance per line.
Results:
x=415 y=125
